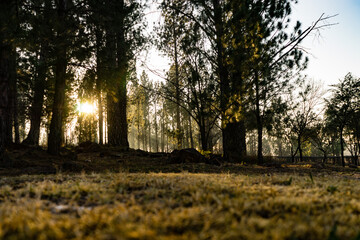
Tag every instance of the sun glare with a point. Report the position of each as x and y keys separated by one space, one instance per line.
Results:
x=85 y=108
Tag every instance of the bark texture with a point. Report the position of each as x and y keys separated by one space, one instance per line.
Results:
x=56 y=125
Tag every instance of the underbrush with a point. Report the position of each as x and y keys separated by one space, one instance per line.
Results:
x=180 y=206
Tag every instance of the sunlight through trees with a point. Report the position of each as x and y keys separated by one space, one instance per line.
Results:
x=234 y=85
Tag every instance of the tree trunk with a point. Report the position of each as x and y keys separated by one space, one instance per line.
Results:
x=260 y=142
x=258 y=120
x=111 y=87
x=40 y=82
x=163 y=129
x=280 y=147
x=106 y=140
x=149 y=131
x=356 y=157
x=16 y=122
x=56 y=126
x=191 y=133
x=138 y=123
x=118 y=133
x=101 y=119
x=38 y=101
x=300 y=149
x=342 y=147
x=177 y=92
x=4 y=91
x=11 y=97
x=233 y=141
x=13 y=104
x=167 y=143
x=7 y=31
x=230 y=144
x=144 y=137
x=293 y=154
x=203 y=139
x=186 y=135
x=99 y=80
x=156 y=131
x=325 y=157
x=122 y=138
x=5 y=73
x=357 y=149
x=233 y=132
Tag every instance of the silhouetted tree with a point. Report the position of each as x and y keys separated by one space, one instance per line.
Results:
x=343 y=107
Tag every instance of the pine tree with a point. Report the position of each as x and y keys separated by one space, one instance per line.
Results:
x=7 y=66
x=43 y=34
x=56 y=126
x=123 y=38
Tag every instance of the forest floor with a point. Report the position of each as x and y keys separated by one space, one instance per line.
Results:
x=138 y=195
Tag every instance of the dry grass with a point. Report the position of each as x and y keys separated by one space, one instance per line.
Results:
x=180 y=206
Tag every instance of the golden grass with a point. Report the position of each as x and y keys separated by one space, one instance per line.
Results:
x=180 y=206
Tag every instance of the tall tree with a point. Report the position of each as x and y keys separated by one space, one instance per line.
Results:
x=95 y=20
x=43 y=32
x=7 y=52
x=342 y=106
x=170 y=34
x=211 y=20
x=56 y=126
x=304 y=113
x=4 y=75
x=99 y=83
x=124 y=37
x=321 y=138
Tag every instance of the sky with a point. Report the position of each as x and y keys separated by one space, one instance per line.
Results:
x=332 y=55
x=337 y=51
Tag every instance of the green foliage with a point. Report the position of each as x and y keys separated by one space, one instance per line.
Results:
x=342 y=112
x=139 y=112
x=206 y=153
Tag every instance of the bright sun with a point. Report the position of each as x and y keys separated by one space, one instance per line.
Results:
x=85 y=108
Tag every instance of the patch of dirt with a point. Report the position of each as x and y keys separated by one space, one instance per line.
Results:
x=92 y=157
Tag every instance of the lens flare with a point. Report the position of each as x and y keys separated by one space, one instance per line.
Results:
x=85 y=108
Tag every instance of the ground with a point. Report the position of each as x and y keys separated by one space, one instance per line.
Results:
x=149 y=198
